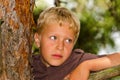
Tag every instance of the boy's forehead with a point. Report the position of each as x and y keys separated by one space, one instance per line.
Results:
x=57 y=26
x=56 y=29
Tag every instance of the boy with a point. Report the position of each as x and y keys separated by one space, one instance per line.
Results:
x=57 y=32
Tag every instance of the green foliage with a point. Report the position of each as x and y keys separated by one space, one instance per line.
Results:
x=38 y=8
x=115 y=12
x=35 y=49
x=97 y=25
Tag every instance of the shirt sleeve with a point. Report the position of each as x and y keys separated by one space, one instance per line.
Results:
x=82 y=56
x=88 y=56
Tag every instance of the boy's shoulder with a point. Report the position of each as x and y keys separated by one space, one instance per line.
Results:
x=78 y=51
x=83 y=55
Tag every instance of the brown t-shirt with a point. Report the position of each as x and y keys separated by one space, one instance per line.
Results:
x=41 y=72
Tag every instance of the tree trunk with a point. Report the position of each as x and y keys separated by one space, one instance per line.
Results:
x=15 y=39
x=106 y=74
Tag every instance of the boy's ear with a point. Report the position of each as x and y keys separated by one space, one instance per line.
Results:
x=37 y=39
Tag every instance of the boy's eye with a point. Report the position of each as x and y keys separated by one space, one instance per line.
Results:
x=68 y=40
x=53 y=37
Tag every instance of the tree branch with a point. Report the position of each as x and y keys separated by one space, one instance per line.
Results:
x=105 y=74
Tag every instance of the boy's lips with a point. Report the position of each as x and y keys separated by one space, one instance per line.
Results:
x=57 y=56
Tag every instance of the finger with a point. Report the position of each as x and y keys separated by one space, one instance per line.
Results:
x=67 y=77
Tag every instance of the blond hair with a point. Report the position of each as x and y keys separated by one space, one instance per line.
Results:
x=60 y=15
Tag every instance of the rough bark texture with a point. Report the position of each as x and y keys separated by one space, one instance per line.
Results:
x=15 y=39
x=105 y=74
x=57 y=3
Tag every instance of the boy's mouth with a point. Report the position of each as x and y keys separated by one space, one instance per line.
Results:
x=57 y=56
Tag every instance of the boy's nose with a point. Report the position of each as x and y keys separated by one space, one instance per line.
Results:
x=60 y=45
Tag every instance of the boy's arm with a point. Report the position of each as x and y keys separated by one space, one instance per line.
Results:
x=83 y=70
x=104 y=62
x=80 y=73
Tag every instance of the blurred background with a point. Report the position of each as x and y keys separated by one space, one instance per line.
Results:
x=100 y=22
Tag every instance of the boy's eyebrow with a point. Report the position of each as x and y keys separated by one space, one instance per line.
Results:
x=71 y=37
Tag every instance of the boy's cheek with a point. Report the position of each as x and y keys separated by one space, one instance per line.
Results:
x=69 y=50
x=70 y=47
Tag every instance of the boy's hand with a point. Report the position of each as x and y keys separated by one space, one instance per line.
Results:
x=80 y=73
x=67 y=77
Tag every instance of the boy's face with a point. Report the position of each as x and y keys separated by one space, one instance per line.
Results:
x=56 y=43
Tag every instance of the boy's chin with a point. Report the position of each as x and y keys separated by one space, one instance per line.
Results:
x=55 y=64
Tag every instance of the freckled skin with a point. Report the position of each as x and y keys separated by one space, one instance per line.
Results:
x=56 y=43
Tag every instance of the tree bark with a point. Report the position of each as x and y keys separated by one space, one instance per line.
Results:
x=57 y=3
x=105 y=74
x=15 y=39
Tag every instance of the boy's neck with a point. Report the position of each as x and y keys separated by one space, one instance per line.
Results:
x=46 y=64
